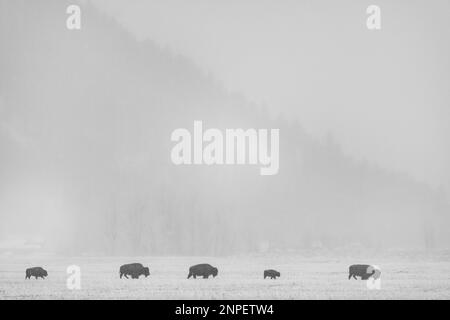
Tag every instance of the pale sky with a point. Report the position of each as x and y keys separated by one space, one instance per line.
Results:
x=384 y=95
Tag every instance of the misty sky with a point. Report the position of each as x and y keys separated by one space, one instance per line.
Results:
x=87 y=115
x=382 y=94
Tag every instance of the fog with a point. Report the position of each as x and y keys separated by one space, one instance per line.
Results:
x=317 y=62
x=86 y=118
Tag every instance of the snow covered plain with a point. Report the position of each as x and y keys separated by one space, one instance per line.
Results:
x=404 y=276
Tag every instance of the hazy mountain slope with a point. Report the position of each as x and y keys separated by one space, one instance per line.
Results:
x=86 y=118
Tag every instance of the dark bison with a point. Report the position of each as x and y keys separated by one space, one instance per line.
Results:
x=134 y=270
x=272 y=274
x=202 y=270
x=364 y=271
x=36 y=272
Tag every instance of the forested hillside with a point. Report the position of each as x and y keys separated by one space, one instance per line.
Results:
x=85 y=124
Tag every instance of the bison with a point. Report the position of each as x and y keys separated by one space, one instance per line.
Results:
x=135 y=270
x=272 y=274
x=36 y=272
x=202 y=270
x=364 y=271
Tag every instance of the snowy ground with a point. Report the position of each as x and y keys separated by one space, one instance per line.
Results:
x=240 y=277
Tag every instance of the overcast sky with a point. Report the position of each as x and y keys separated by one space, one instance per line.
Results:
x=384 y=95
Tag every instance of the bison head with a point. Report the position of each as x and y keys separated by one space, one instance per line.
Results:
x=373 y=271
x=44 y=273
x=215 y=272
x=146 y=271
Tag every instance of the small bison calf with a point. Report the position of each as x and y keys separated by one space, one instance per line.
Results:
x=272 y=274
x=202 y=270
x=135 y=270
x=36 y=272
x=364 y=271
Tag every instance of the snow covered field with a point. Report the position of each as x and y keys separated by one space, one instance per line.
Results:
x=240 y=277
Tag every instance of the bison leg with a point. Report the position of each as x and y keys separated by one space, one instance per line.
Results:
x=205 y=277
x=125 y=275
x=354 y=277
